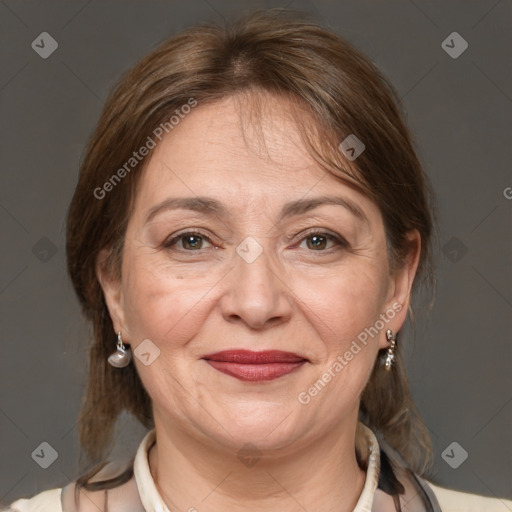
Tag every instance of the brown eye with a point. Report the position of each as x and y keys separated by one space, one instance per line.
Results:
x=190 y=241
x=318 y=241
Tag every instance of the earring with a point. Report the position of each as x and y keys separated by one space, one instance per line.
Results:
x=390 y=356
x=122 y=356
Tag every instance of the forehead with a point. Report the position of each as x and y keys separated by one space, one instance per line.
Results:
x=240 y=132
x=241 y=147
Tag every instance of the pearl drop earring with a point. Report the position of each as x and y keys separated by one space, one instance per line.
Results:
x=122 y=356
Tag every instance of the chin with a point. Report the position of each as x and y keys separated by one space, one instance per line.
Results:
x=267 y=426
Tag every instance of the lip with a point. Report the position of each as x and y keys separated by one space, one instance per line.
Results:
x=250 y=357
x=251 y=366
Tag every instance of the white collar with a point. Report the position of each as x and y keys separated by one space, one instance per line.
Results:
x=153 y=502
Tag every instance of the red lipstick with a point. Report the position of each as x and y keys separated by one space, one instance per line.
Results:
x=255 y=366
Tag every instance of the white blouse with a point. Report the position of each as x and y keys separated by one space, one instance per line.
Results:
x=140 y=493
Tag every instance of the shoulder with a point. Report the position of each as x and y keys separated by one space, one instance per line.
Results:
x=458 y=501
x=73 y=498
x=46 y=501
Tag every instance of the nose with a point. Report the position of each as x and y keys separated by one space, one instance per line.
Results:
x=257 y=293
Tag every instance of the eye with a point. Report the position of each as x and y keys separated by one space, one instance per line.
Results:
x=318 y=241
x=189 y=241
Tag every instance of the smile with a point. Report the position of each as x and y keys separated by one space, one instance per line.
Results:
x=255 y=366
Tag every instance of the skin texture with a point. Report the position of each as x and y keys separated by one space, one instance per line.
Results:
x=303 y=295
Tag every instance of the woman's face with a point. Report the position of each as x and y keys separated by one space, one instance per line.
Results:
x=270 y=265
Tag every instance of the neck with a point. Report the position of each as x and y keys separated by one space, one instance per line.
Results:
x=191 y=475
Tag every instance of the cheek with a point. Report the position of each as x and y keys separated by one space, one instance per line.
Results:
x=343 y=309
x=168 y=308
x=161 y=304
x=344 y=303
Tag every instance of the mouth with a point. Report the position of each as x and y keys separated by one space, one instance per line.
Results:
x=251 y=366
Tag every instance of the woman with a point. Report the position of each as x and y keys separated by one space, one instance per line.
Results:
x=248 y=228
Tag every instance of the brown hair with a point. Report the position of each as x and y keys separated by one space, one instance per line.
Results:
x=282 y=53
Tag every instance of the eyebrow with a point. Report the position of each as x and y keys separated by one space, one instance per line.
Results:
x=301 y=206
x=212 y=207
x=204 y=205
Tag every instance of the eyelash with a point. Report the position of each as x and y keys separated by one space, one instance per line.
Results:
x=339 y=241
x=169 y=243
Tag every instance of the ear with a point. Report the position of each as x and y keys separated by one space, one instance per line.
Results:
x=399 y=295
x=112 y=291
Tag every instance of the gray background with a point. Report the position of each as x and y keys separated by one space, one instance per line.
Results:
x=460 y=113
